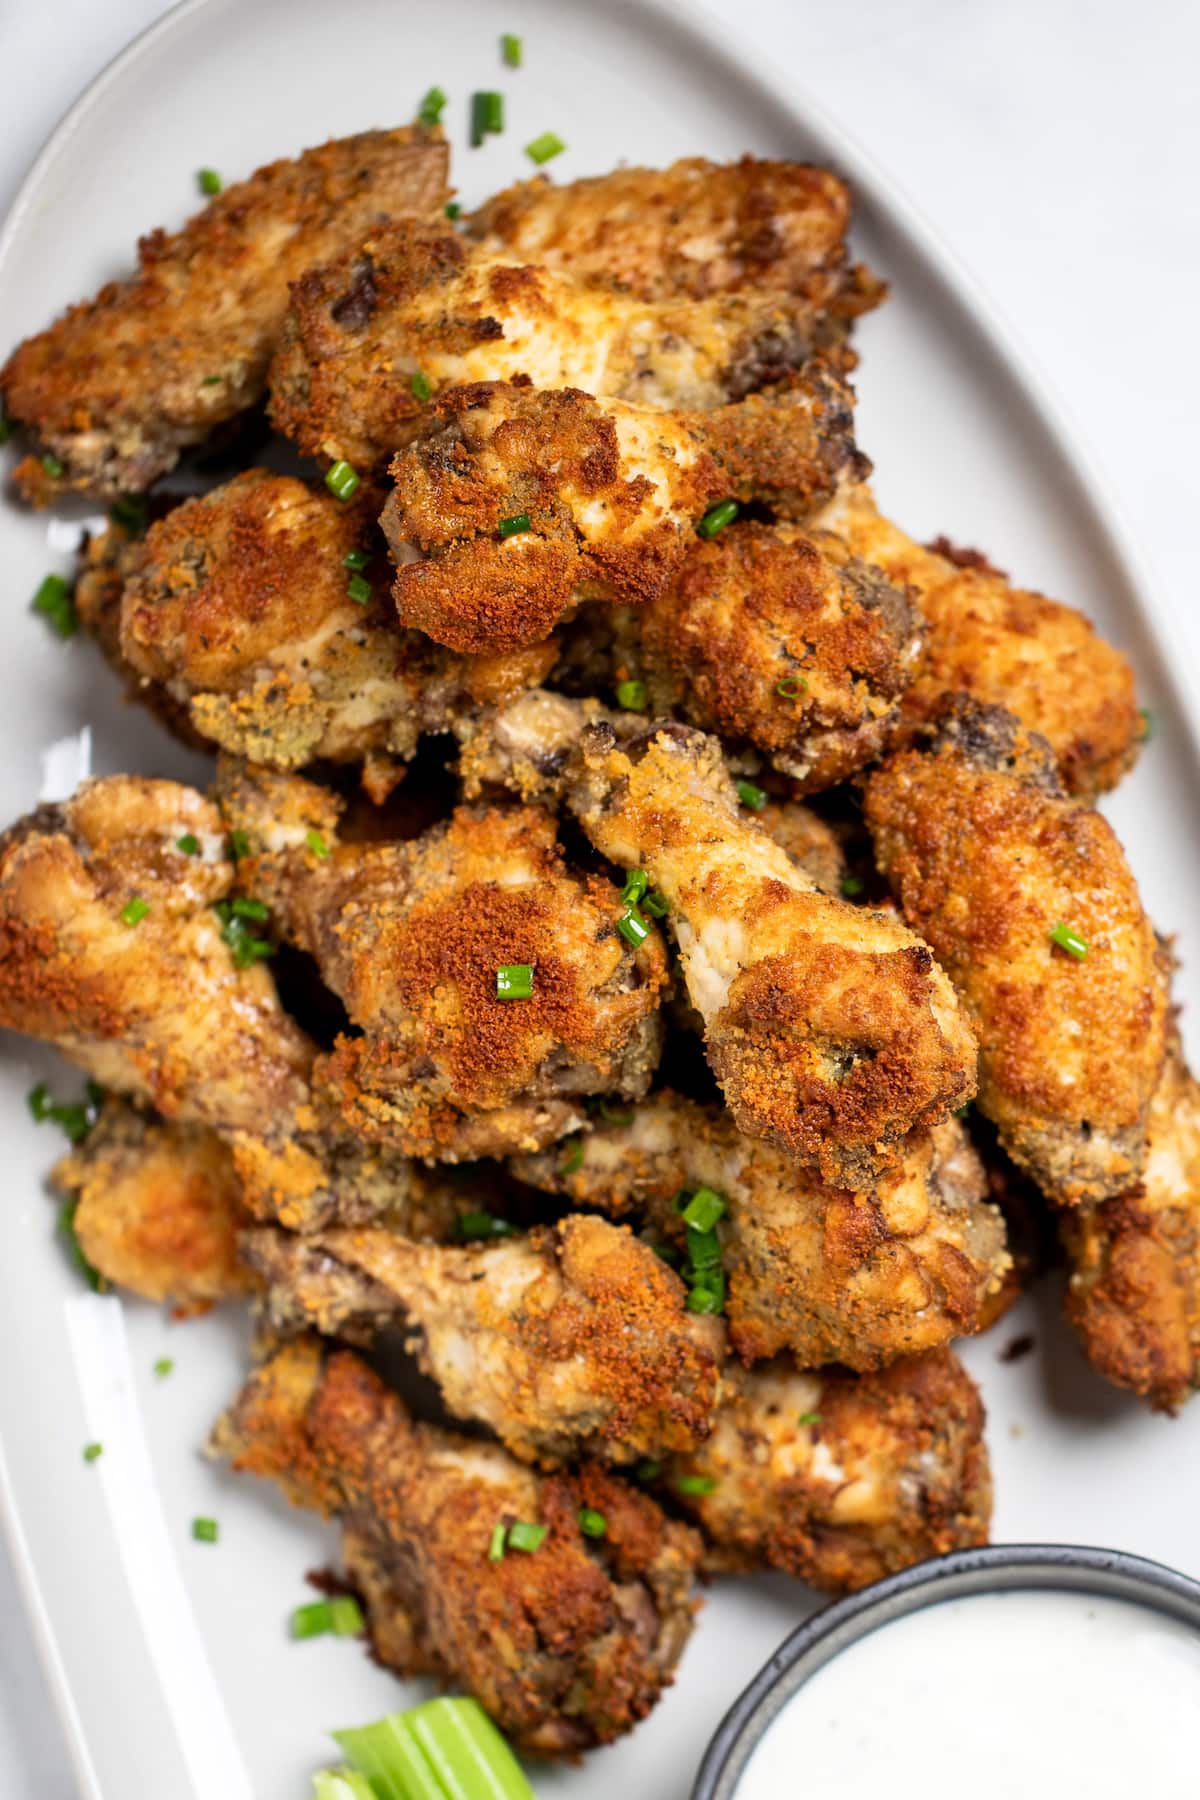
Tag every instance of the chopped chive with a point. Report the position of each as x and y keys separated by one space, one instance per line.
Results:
x=510 y=527
x=632 y=695
x=205 y=1531
x=573 y=1159
x=356 y=559
x=239 y=844
x=53 y=466
x=164 y=1366
x=636 y=883
x=705 y=1300
x=1070 y=941
x=452 y=209
x=694 y=1484
x=251 y=909
x=131 y=513
x=310 y=1621
x=66 y=1230
x=246 y=947
x=346 y=1616
x=38 y=1101
x=593 y=1524
x=342 y=480
x=791 y=685
x=963 y=1112
x=430 y=110
x=810 y=1418
x=613 y=1115
x=852 y=887
x=474 y=1225
x=209 y=181
x=498 y=1540
x=511 y=49
x=544 y=147
x=421 y=386
x=487 y=115
x=648 y=1470
x=751 y=796
x=514 y=981
x=189 y=843
x=53 y=600
x=6 y=429
x=522 y=1535
x=134 y=911
x=359 y=589
x=92 y=1451
x=94 y=1091
x=1149 y=723
x=633 y=928
x=704 y=1208
x=316 y=843
x=211 y=380
x=717 y=517
x=655 y=905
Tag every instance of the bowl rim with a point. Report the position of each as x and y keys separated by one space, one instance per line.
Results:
x=1076 y=1568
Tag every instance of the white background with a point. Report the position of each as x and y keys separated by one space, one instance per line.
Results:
x=1055 y=144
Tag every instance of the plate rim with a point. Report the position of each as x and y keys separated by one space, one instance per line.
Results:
x=1178 y=675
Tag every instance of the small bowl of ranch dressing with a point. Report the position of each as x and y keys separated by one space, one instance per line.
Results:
x=1015 y=1672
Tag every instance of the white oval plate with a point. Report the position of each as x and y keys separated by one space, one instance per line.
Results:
x=170 y=1658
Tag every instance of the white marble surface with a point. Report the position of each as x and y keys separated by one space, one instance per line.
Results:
x=1053 y=144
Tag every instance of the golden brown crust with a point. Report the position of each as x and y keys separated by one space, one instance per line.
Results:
x=120 y=384
x=842 y=1479
x=987 y=859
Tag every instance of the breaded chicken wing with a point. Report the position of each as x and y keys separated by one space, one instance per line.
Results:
x=782 y=640
x=414 y=936
x=240 y=606
x=691 y=230
x=810 y=842
x=566 y=1342
x=121 y=384
x=990 y=861
x=607 y=495
x=830 y=1275
x=566 y=1645
x=158 y=1207
x=1006 y=646
x=1134 y=1289
x=110 y=949
x=841 y=1479
x=831 y=1029
x=415 y=307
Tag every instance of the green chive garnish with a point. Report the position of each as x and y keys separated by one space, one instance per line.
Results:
x=421 y=386
x=655 y=905
x=496 y=1546
x=430 y=110
x=316 y=843
x=487 y=115
x=6 y=429
x=1149 y=724
x=791 y=685
x=472 y=1226
x=510 y=49
x=704 y=1208
x=189 y=843
x=92 y=1451
x=717 y=517
x=359 y=590
x=636 y=883
x=310 y=1621
x=694 y=1484
x=632 y=695
x=810 y=1418
x=649 y=1470
x=528 y=1537
x=514 y=981
x=633 y=928
x=205 y=1531
x=134 y=911
x=131 y=513
x=593 y=1524
x=53 y=466
x=1070 y=941
x=852 y=887
x=544 y=147
x=239 y=844
x=66 y=1230
x=510 y=527
x=356 y=559
x=53 y=600
x=247 y=948
x=342 y=480
x=705 y=1300
x=612 y=1115
x=573 y=1159
x=76 y=1117
x=452 y=209
x=751 y=796
x=164 y=1366
x=250 y=909
x=209 y=181
x=211 y=380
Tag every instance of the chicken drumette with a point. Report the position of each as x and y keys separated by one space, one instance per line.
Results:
x=832 y=1276
x=514 y=503
x=415 y=938
x=567 y=1341
x=1028 y=903
x=567 y=1644
x=121 y=384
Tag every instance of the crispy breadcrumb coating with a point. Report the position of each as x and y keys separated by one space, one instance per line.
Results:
x=121 y=384
x=110 y=949
x=810 y=842
x=1006 y=646
x=842 y=1479
x=988 y=859
x=612 y=493
x=569 y=1341
x=412 y=935
x=567 y=1646
x=831 y=1275
x=158 y=1207
x=1134 y=1289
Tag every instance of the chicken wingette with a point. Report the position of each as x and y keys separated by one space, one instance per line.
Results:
x=120 y=385
x=1027 y=901
x=567 y=1341
x=841 y=1479
x=513 y=504
x=830 y=1275
x=415 y=937
x=566 y=1639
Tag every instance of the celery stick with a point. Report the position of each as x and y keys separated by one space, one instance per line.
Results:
x=468 y=1754
x=341 y=1784
x=390 y=1755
